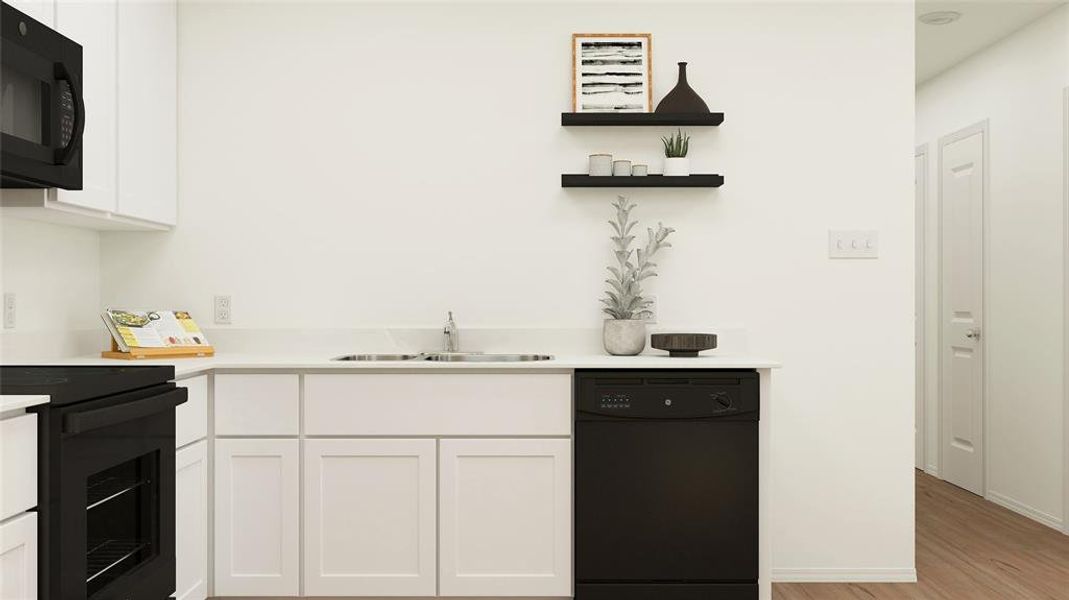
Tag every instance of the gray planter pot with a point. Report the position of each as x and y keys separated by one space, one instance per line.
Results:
x=624 y=337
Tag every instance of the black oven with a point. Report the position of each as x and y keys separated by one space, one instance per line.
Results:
x=42 y=115
x=106 y=480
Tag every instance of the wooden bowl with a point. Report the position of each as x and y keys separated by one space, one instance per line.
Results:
x=683 y=344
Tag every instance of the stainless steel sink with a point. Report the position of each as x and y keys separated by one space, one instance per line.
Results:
x=446 y=357
x=378 y=357
x=484 y=358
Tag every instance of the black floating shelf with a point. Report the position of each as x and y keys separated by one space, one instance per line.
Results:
x=642 y=119
x=660 y=181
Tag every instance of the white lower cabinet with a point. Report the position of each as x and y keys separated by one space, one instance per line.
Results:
x=369 y=517
x=505 y=517
x=191 y=522
x=257 y=493
x=18 y=558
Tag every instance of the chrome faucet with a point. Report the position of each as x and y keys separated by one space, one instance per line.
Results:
x=452 y=335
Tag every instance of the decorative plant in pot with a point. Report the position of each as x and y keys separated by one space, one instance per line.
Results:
x=625 y=331
x=676 y=163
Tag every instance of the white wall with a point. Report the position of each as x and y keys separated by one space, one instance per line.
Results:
x=353 y=165
x=54 y=272
x=1018 y=85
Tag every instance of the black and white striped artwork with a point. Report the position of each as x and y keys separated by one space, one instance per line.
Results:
x=612 y=72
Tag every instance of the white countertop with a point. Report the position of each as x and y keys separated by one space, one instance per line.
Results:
x=12 y=402
x=188 y=367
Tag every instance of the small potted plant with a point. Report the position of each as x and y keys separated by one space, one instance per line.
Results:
x=676 y=163
x=625 y=331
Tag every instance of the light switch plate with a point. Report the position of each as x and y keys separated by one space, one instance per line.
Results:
x=853 y=243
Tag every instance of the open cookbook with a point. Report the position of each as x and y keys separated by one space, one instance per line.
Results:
x=141 y=329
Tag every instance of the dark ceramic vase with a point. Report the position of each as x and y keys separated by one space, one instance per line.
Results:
x=682 y=99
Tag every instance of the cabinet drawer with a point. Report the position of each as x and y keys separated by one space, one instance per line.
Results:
x=257 y=404
x=18 y=463
x=498 y=404
x=191 y=418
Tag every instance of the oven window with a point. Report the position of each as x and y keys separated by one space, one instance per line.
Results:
x=122 y=516
x=21 y=105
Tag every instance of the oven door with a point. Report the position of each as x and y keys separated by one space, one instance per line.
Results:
x=113 y=530
x=42 y=115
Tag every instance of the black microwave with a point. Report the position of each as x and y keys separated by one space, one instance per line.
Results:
x=42 y=115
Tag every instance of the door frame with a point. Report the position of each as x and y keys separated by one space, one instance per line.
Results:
x=1065 y=315
x=982 y=127
x=921 y=326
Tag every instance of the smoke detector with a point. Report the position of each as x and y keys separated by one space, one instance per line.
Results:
x=939 y=17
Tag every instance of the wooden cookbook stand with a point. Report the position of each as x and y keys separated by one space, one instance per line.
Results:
x=144 y=353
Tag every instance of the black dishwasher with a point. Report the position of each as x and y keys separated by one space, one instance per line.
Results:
x=666 y=472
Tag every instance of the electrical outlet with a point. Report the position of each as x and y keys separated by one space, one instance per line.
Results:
x=9 y=310
x=652 y=308
x=222 y=310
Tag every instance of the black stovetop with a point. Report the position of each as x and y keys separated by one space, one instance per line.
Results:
x=70 y=384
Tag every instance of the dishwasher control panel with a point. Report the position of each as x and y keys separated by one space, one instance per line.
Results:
x=657 y=395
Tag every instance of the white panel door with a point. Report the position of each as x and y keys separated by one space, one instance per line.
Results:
x=505 y=517
x=92 y=24
x=148 y=110
x=257 y=490
x=191 y=522
x=961 y=180
x=369 y=517
x=18 y=558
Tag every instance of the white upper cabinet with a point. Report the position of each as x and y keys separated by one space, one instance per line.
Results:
x=92 y=24
x=148 y=110
x=130 y=88
x=369 y=517
x=505 y=524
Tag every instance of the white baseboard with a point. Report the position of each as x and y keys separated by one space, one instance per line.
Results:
x=889 y=575
x=932 y=470
x=1023 y=509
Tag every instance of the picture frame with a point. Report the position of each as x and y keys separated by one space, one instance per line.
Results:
x=612 y=72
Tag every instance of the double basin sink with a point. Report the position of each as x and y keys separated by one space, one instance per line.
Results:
x=476 y=357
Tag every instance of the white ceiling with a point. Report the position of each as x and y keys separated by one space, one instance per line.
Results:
x=983 y=22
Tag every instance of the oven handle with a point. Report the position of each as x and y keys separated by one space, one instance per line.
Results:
x=80 y=422
x=64 y=155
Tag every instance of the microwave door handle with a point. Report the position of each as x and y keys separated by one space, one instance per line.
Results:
x=88 y=420
x=64 y=155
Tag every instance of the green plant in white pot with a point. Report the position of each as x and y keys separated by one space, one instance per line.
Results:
x=676 y=163
x=624 y=332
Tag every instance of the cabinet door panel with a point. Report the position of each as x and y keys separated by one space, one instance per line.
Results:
x=256 y=517
x=191 y=522
x=369 y=517
x=505 y=511
x=18 y=558
x=148 y=110
x=92 y=24
x=18 y=464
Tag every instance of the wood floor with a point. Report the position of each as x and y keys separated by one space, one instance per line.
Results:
x=967 y=549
